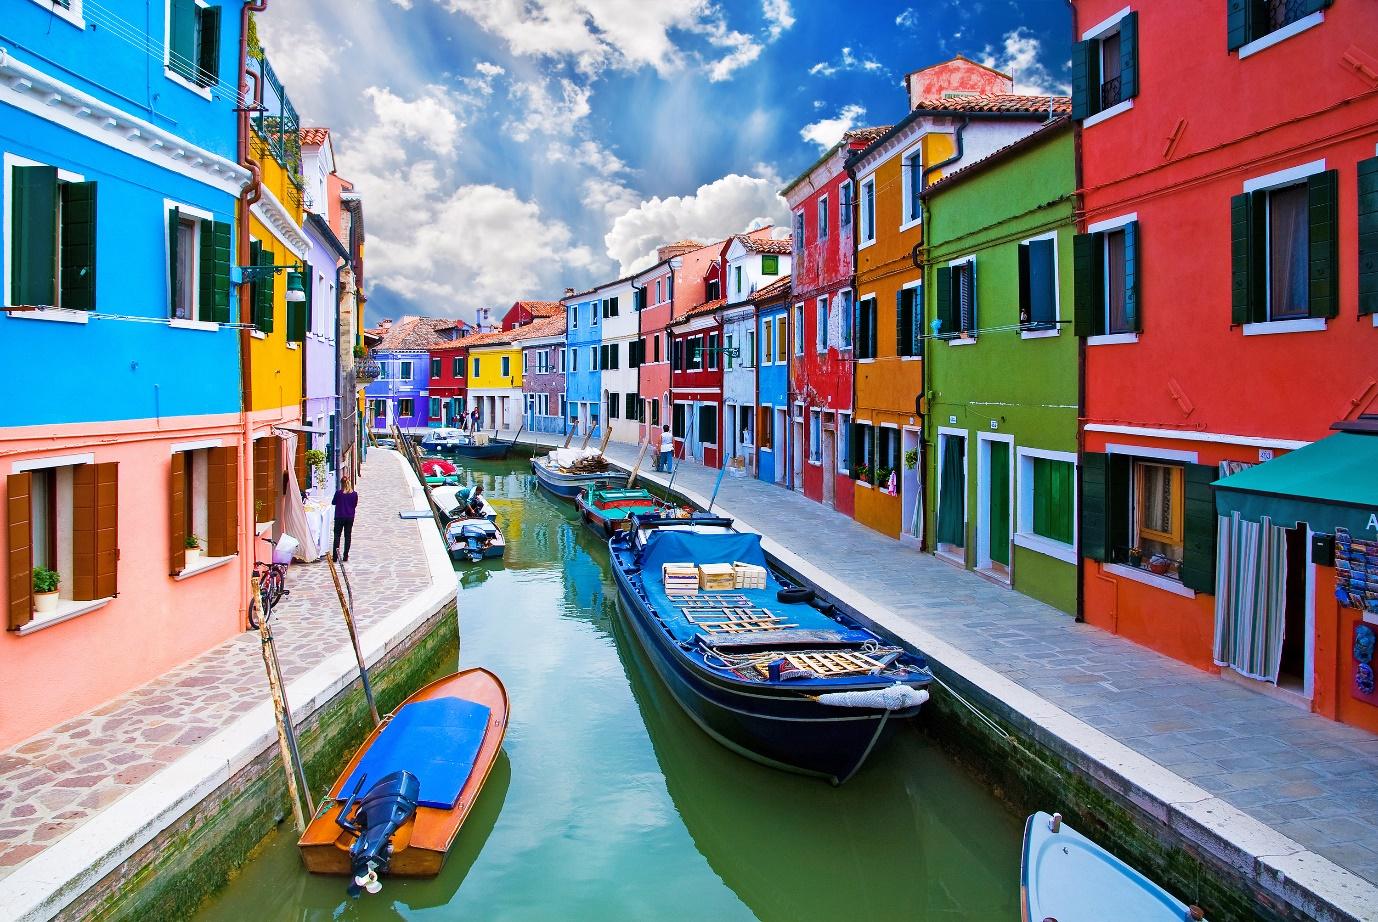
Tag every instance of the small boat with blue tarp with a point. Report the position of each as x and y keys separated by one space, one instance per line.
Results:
x=1067 y=877
x=399 y=804
x=762 y=666
x=610 y=509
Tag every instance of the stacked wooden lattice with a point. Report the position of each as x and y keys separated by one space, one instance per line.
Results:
x=680 y=578
x=749 y=576
x=717 y=577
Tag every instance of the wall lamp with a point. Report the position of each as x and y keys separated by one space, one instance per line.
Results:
x=296 y=289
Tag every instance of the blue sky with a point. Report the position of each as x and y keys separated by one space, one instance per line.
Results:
x=509 y=148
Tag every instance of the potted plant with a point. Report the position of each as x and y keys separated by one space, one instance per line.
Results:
x=1136 y=557
x=45 y=583
x=882 y=480
x=862 y=473
x=911 y=459
x=193 y=546
x=315 y=462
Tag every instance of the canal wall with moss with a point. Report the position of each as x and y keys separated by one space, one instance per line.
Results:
x=169 y=876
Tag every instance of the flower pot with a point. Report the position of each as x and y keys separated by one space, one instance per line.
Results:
x=44 y=603
x=193 y=555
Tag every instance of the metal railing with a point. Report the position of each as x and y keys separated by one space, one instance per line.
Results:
x=1110 y=93
x=368 y=371
x=277 y=122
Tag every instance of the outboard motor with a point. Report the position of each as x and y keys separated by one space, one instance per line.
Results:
x=383 y=810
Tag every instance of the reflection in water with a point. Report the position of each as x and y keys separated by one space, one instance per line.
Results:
x=609 y=803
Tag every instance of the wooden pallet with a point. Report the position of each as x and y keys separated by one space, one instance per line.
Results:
x=745 y=626
x=825 y=665
x=698 y=615
x=718 y=600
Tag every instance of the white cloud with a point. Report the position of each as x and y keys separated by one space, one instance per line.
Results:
x=827 y=132
x=742 y=49
x=557 y=114
x=908 y=19
x=847 y=61
x=609 y=197
x=779 y=15
x=1020 y=57
x=305 y=58
x=729 y=205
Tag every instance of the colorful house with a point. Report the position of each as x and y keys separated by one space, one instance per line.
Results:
x=448 y=387
x=524 y=313
x=739 y=386
x=1237 y=247
x=821 y=199
x=1000 y=453
x=771 y=345
x=696 y=382
x=962 y=122
x=666 y=290
x=400 y=395
x=116 y=251
x=495 y=379
x=618 y=357
x=583 y=378
x=543 y=375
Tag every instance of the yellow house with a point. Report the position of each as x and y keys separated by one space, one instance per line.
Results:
x=494 y=366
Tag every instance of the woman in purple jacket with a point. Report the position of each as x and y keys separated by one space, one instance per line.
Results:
x=346 y=501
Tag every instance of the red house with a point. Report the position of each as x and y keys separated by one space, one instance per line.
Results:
x=821 y=291
x=696 y=371
x=664 y=291
x=1219 y=275
x=522 y=313
x=447 y=384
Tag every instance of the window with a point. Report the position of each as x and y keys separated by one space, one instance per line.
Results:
x=727 y=352
x=820 y=325
x=844 y=442
x=846 y=318
x=1283 y=251
x=457 y=367
x=630 y=400
x=749 y=353
x=781 y=339
x=612 y=402
x=594 y=356
x=655 y=344
x=798 y=232
x=1047 y=503
x=1105 y=68
x=844 y=204
x=863 y=451
x=868 y=211
x=798 y=329
x=595 y=309
x=737 y=278
x=612 y=306
x=573 y=359
x=574 y=318
x=614 y=359
x=435 y=368
x=1255 y=19
x=708 y=424
x=695 y=357
x=379 y=408
x=182 y=234
x=677 y=420
x=435 y=408
x=766 y=428
x=712 y=292
x=193 y=48
x=957 y=300
x=767 y=333
x=816 y=436
x=475 y=368
x=638 y=299
x=1038 y=284
x=1158 y=501
x=866 y=328
x=406 y=407
x=1107 y=280
x=659 y=297
x=713 y=345
x=655 y=412
x=823 y=218
x=53 y=222
x=909 y=320
x=913 y=186
x=887 y=457
x=770 y=264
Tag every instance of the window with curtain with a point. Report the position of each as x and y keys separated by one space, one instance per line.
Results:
x=1289 y=253
x=1116 y=315
x=1158 y=498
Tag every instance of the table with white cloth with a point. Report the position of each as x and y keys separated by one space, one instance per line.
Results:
x=320 y=518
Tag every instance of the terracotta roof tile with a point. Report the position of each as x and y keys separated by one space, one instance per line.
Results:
x=699 y=310
x=313 y=136
x=546 y=326
x=866 y=135
x=416 y=334
x=782 y=247
x=541 y=308
x=495 y=338
x=1001 y=102
x=776 y=289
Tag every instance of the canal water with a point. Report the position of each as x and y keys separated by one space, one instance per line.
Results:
x=610 y=804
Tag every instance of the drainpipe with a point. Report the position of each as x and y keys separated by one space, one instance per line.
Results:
x=1081 y=401
x=849 y=166
x=251 y=193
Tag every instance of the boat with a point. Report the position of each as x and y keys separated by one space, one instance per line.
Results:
x=768 y=669
x=474 y=539
x=453 y=499
x=609 y=509
x=438 y=472
x=1067 y=877
x=400 y=802
x=566 y=471
x=439 y=439
x=481 y=447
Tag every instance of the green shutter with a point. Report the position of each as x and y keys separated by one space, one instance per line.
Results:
x=182 y=37
x=1095 y=536
x=1244 y=265
x=944 y=296
x=297 y=313
x=1133 y=247
x=916 y=319
x=208 y=46
x=174 y=219
x=34 y=247
x=264 y=289
x=872 y=329
x=222 y=249
x=79 y=245
x=1237 y=23
x=1199 y=527
x=901 y=327
x=1322 y=192
x=1129 y=56
x=1085 y=86
x=1368 y=236
x=1086 y=272
x=1314 y=6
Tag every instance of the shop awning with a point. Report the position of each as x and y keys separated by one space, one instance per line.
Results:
x=1330 y=483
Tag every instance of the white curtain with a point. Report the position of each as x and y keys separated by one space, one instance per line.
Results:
x=294 y=521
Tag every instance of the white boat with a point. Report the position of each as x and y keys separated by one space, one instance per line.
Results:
x=452 y=501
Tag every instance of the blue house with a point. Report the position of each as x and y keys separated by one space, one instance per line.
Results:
x=583 y=377
x=772 y=392
x=401 y=393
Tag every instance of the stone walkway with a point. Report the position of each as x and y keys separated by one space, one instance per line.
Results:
x=1313 y=780
x=51 y=783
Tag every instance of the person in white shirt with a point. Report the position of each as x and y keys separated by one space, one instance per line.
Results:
x=667 y=450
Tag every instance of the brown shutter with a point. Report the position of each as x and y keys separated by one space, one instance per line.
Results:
x=301 y=461
x=107 y=529
x=177 y=513
x=263 y=481
x=19 y=521
x=222 y=521
x=84 y=533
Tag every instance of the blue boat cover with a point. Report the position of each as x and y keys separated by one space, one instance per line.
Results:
x=436 y=740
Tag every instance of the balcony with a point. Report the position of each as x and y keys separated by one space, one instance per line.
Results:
x=276 y=125
x=1110 y=93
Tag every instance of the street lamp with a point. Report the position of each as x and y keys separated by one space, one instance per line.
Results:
x=296 y=291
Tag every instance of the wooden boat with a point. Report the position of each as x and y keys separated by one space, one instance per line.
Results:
x=480 y=448
x=770 y=672
x=453 y=499
x=474 y=539
x=567 y=485
x=608 y=510
x=439 y=439
x=438 y=471
x=445 y=738
x=1067 y=877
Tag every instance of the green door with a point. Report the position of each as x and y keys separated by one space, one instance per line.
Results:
x=999 y=524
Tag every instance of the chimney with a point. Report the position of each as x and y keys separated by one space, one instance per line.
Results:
x=569 y=293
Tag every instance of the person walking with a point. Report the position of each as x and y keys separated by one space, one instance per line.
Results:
x=346 y=502
x=667 y=450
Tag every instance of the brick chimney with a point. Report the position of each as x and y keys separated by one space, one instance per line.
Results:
x=569 y=293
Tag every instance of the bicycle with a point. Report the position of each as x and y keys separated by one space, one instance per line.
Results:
x=272 y=586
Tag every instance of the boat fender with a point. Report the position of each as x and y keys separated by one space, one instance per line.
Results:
x=795 y=594
x=897 y=697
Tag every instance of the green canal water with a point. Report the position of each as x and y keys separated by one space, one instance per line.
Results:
x=610 y=804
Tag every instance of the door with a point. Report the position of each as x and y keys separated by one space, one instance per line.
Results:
x=829 y=466
x=911 y=497
x=778 y=444
x=692 y=449
x=1292 y=663
x=797 y=453
x=998 y=506
x=952 y=492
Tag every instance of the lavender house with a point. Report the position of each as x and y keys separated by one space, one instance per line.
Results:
x=401 y=394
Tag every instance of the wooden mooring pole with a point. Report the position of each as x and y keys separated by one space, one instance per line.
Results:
x=636 y=469
x=354 y=639
x=287 y=739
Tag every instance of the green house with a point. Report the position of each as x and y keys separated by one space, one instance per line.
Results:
x=1001 y=424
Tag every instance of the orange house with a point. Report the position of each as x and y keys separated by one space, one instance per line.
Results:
x=970 y=114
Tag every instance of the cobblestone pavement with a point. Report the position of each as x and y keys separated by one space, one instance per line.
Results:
x=53 y=782
x=1310 y=778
